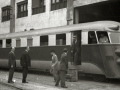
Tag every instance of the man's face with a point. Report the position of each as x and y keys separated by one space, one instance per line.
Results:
x=28 y=49
x=13 y=49
x=51 y=53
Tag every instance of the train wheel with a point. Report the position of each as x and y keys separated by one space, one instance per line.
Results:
x=99 y=78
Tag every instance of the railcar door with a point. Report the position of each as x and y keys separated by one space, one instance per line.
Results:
x=76 y=48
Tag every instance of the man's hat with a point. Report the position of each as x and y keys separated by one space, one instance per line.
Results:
x=65 y=49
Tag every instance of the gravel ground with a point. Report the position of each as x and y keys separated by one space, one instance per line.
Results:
x=84 y=83
x=4 y=87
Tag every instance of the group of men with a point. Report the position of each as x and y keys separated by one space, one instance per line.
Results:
x=59 y=70
x=25 y=62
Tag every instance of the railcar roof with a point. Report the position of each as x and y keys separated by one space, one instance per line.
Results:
x=91 y=26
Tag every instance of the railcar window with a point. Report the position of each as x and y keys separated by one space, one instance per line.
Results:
x=38 y=6
x=0 y=43
x=29 y=42
x=18 y=42
x=103 y=37
x=92 y=37
x=8 y=43
x=43 y=40
x=61 y=39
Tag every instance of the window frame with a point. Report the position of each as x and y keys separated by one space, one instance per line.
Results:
x=44 y=39
x=5 y=13
x=22 y=13
x=40 y=8
x=58 y=5
x=9 y=43
x=58 y=37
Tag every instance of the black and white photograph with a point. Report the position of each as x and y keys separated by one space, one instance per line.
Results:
x=59 y=44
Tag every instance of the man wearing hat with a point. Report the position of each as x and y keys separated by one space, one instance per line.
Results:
x=63 y=69
x=12 y=64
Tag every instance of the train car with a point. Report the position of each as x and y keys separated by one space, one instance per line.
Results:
x=95 y=58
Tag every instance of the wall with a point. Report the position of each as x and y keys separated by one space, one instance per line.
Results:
x=42 y=20
x=85 y=2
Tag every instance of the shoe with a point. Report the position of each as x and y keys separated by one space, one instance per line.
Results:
x=56 y=84
x=10 y=82
x=64 y=86
x=24 y=82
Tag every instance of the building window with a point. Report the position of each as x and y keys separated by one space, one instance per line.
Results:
x=61 y=39
x=8 y=42
x=43 y=40
x=5 y=13
x=38 y=6
x=18 y=43
x=22 y=9
x=58 y=4
x=29 y=42
x=0 y=43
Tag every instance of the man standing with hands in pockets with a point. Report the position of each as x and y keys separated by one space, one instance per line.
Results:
x=25 y=63
x=12 y=64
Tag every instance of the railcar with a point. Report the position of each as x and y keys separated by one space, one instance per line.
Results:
x=94 y=58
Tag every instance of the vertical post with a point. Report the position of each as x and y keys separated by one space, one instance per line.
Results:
x=70 y=12
x=12 y=17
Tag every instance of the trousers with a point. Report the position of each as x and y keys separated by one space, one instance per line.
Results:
x=11 y=72
x=25 y=72
x=61 y=77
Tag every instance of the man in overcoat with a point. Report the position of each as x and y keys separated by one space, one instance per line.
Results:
x=11 y=64
x=25 y=63
x=74 y=50
x=63 y=69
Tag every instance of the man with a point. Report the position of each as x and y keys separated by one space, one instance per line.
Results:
x=54 y=66
x=25 y=63
x=63 y=69
x=12 y=64
x=74 y=50
x=103 y=39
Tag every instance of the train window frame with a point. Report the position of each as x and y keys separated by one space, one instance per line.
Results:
x=19 y=42
x=58 y=37
x=104 y=33
x=30 y=38
x=1 y=43
x=40 y=8
x=92 y=39
x=5 y=13
x=22 y=9
x=46 y=38
x=8 y=41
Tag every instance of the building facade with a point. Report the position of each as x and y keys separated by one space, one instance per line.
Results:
x=47 y=18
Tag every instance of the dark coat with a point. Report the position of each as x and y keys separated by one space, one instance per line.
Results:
x=64 y=62
x=12 y=60
x=25 y=59
x=74 y=51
